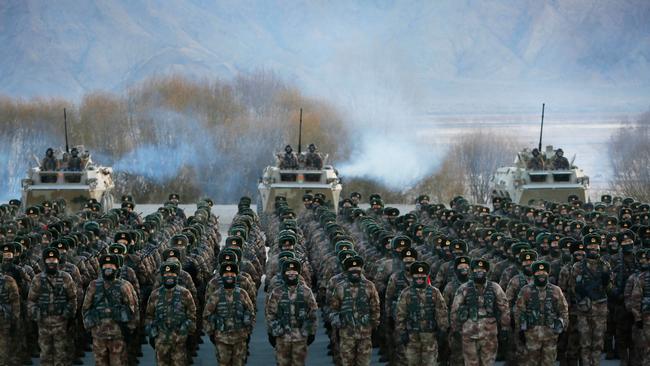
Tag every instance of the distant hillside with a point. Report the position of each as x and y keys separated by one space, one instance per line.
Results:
x=450 y=56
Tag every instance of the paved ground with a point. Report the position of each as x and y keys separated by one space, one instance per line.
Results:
x=261 y=353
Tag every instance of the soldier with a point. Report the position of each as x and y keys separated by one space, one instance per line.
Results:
x=623 y=321
x=49 y=164
x=75 y=162
x=354 y=307
x=289 y=159
x=541 y=314
x=461 y=266
x=421 y=318
x=639 y=306
x=10 y=315
x=171 y=317
x=517 y=350
x=477 y=308
x=535 y=162
x=313 y=159
x=52 y=304
x=228 y=317
x=291 y=316
x=111 y=313
x=559 y=161
x=589 y=284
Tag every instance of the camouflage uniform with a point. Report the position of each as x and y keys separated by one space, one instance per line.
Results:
x=291 y=317
x=228 y=319
x=421 y=317
x=111 y=313
x=590 y=283
x=170 y=318
x=541 y=314
x=639 y=305
x=475 y=312
x=52 y=303
x=10 y=315
x=354 y=310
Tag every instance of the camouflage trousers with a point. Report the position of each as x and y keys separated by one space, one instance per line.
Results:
x=6 y=347
x=52 y=341
x=456 y=350
x=645 y=340
x=481 y=351
x=637 y=347
x=422 y=349
x=540 y=349
x=355 y=352
x=290 y=353
x=231 y=354
x=624 y=343
x=591 y=327
x=170 y=352
x=109 y=352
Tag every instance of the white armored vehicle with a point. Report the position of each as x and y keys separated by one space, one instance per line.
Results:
x=293 y=183
x=75 y=178
x=524 y=185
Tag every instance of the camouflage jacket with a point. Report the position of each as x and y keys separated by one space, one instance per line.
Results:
x=52 y=299
x=9 y=301
x=541 y=318
x=418 y=314
x=291 y=312
x=355 y=308
x=229 y=320
x=109 y=310
x=170 y=312
x=475 y=317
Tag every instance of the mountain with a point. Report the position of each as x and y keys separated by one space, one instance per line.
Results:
x=425 y=56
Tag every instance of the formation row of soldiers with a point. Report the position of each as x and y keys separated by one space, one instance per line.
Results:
x=464 y=285
x=114 y=278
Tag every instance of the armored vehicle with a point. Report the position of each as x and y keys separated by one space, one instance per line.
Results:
x=76 y=185
x=524 y=186
x=292 y=184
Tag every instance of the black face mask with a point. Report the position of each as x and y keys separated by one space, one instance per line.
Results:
x=420 y=282
x=228 y=281
x=7 y=266
x=108 y=274
x=51 y=268
x=63 y=258
x=291 y=280
x=462 y=274
x=170 y=281
x=544 y=250
x=541 y=280
x=628 y=248
x=528 y=271
x=645 y=267
x=354 y=276
x=555 y=252
x=479 y=277
x=593 y=254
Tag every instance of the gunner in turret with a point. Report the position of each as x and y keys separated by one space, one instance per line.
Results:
x=559 y=161
x=536 y=162
x=289 y=159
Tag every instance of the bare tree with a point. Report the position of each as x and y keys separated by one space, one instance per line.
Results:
x=478 y=154
x=630 y=157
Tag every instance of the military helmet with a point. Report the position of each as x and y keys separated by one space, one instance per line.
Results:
x=541 y=266
x=228 y=267
x=480 y=264
x=51 y=252
x=353 y=262
x=109 y=259
x=170 y=267
x=591 y=239
x=419 y=268
x=409 y=253
x=291 y=264
x=461 y=260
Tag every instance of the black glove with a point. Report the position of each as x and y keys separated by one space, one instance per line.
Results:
x=503 y=336
x=212 y=339
x=310 y=339
x=152 y=342
x=639 y=324
x=404 y=338
x=272 y=340
x=522 y=336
